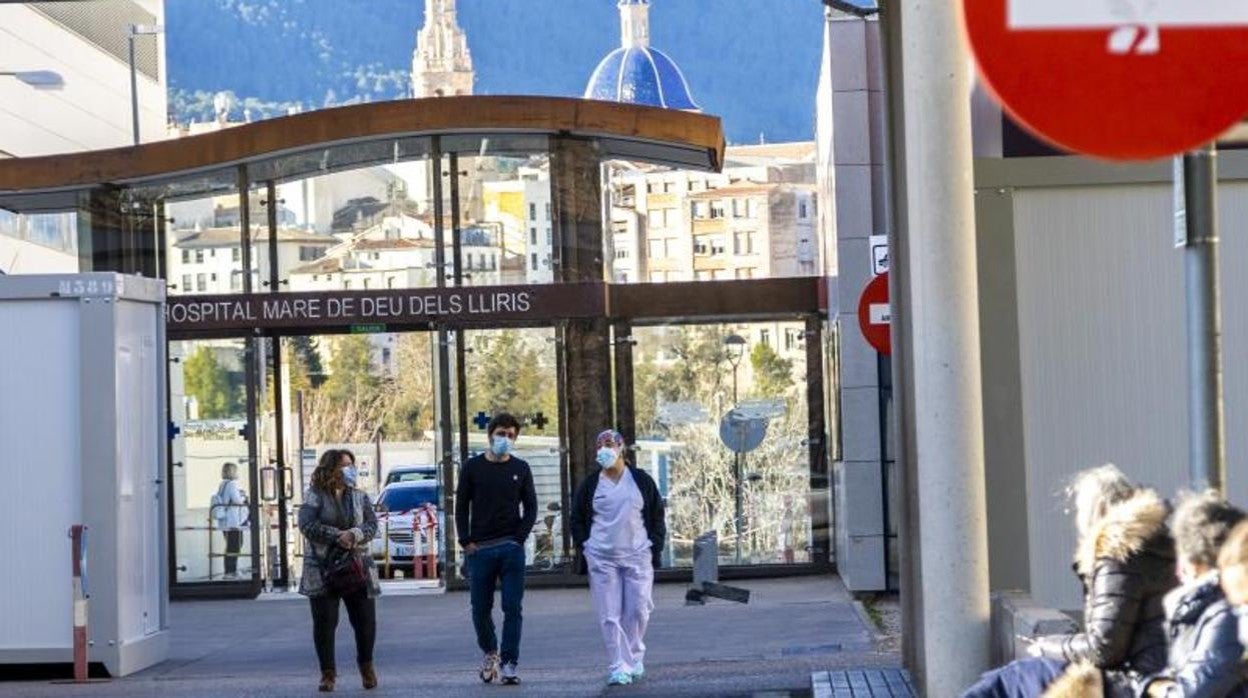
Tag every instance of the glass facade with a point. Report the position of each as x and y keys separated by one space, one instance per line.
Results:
x=713 y=390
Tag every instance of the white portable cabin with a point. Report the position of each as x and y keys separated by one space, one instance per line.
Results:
x=83 y=428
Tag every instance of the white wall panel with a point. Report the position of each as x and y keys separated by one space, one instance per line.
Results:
x=1103 y=353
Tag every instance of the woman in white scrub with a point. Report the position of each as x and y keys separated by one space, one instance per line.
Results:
x=618 y=527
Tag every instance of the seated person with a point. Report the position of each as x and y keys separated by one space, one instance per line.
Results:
x=1205 y=653
x=1125 y=559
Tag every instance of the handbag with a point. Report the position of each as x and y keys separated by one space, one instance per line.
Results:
x=342 y=570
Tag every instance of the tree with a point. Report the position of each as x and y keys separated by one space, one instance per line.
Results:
x=304 y=350
x=773 y=374
x=409 y=408
x=508 y=371
x=352 y=374
x=209 y=383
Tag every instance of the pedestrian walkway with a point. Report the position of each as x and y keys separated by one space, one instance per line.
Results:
x=862 y=683
x=769 y=647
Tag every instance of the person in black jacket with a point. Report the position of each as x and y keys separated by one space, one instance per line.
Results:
x=1205 y=654
x=1125 y=560
x=495 y=509
x=618 y=528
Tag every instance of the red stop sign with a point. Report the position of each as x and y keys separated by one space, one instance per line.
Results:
x=875 y=315
x=1125 y=93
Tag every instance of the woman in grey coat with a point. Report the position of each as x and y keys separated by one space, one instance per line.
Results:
x=337 y=519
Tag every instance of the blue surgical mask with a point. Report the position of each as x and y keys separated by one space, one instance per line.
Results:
x=501 y=446
x=607 y=456
x=349 y=474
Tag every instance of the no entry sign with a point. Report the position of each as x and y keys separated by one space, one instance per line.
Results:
x=875 y=314
x=1118 y=79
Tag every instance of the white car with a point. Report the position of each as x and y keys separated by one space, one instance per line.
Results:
x=400 y=505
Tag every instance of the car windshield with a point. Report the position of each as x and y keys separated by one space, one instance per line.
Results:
x=412 y=475
x=405 y=498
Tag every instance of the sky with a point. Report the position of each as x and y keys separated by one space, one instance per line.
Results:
x=752 y=62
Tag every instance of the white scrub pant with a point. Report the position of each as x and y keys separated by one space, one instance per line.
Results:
x=621 y=588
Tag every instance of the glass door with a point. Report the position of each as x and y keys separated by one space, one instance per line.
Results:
x=515 y=370
x=212 y=464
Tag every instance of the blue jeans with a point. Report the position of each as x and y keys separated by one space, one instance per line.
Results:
x=1021 y=678
x=498 y=566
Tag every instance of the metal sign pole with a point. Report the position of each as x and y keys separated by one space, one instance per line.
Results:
x=1204 y=320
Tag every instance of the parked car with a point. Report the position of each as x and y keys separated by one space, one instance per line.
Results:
x=411 y=473
x=397 y=507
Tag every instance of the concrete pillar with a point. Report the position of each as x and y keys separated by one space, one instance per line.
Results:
x=936 y=360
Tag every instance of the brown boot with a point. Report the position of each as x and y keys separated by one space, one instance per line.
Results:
x=328 y=676
x=368 y=675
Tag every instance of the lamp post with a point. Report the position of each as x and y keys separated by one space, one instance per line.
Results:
x=734 y=350
x=137 y=30
x=39 y=79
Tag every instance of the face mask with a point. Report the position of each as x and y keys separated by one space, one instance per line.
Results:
x=607 y=456
x=349 y=474
x=501 y=446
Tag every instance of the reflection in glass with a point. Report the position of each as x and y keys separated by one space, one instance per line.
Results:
x=683 y=386
x=40 y=243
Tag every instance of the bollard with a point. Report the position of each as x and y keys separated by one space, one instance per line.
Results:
x=78 y=537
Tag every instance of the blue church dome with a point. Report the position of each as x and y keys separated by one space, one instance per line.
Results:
x=636 y=72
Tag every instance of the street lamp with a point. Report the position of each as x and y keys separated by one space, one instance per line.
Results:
x=137 y=30
x=39 y=79
x=734 y=350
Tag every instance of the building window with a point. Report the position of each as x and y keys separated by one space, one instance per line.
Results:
x=366 y=280
x=389 y=282
x=743 y=242
x=738 y=208
x=764 y=337
x=801 y=209
x=201 y=282
x=532 y=236
x=199 y=256
x=550 y=237
x=214 y=277
x=236 y=282
x=701 y=275
x=212 y=253
x=186 y=283
x=235 y=254
x=669 y=187
x=699 y=210
x=533 y=261
x=649 y=187
x=717 y=209
x=657 y=249
x=308 y=254
x=700 y=248
x=717 y=245
x=621 y=253
x=792 y=339
x=547 y=210
x=532 y=211
x=346 y=283
x=186 y=256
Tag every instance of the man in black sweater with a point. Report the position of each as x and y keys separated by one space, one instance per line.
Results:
x=495 y=509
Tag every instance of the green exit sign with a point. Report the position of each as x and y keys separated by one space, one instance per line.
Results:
x=367 y=329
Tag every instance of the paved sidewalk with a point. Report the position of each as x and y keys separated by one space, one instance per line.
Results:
x=770 y=647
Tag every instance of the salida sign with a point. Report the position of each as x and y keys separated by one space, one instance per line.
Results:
x=342 y=309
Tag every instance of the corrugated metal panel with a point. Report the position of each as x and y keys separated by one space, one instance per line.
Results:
x=106 y=23
x=1103 y=352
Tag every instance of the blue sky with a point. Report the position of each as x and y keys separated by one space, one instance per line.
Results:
x=752 y=62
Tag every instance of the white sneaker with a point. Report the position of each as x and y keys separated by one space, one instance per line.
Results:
x=638 y=672
x=510 y=676
x=619 y=678
x=489 y=668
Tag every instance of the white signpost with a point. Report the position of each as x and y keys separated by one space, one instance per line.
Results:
x=879 y=254
x=1091 y=14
